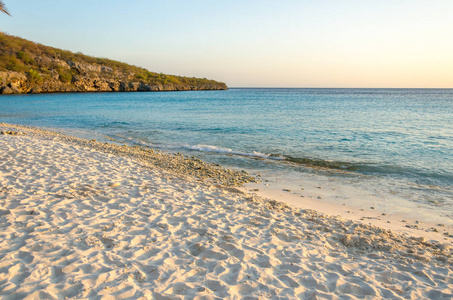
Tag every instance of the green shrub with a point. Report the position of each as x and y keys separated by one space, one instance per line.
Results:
x=141 y=76
x=34 y=76
x=25 y=57
x=13 y=64
x=174 y=79
x=64 y=76
x=20 y=54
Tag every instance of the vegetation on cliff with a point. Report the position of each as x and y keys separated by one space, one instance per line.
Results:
x=28 y=67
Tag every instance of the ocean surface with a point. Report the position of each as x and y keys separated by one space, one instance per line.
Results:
x=395 y=143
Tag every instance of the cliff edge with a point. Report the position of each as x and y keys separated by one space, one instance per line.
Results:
x=28 y=67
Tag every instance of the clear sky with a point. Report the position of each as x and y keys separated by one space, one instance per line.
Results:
x=287 y=43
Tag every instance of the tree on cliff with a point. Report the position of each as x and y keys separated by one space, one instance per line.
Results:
x=3 y=8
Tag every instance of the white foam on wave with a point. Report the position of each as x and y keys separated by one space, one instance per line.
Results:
x=221 y=150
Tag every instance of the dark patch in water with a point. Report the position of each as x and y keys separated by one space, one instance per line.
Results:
x=337 y=165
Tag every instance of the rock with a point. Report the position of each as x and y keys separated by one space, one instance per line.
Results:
x=12 y=133
x=36 y=90
x=11 y=76
x=114 y=86
x=6 y=90
x=106 y=69
x=133 y=86
x=42 y=60
x=144 y=87
x=54 y=75
x=122 y=86
x=101 y=85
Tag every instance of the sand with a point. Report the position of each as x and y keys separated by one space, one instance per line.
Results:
x=318 y=192
x=78 y=222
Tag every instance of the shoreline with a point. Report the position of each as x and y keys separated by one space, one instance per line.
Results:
x=312 y=196
x=81 y=219
x=334 y=197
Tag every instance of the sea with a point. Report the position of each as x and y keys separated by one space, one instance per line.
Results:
x=396 y=144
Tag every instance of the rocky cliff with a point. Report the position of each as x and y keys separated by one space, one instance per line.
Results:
x=27 y=67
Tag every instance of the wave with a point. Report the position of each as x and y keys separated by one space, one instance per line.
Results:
x=427 y=178
x=309 y=162
x=220 y=150
x=420 y=177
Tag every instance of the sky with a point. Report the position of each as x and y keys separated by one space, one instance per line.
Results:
x=248 y=43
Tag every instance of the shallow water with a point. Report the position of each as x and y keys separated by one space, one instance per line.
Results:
x=393 y=142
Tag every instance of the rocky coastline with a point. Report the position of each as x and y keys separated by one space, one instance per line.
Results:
x=12 y=82
x=28 y=67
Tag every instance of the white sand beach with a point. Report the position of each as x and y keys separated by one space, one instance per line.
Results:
x=333 y=198
x=77 y=222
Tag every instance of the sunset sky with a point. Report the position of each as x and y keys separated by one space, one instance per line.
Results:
x=327 y=43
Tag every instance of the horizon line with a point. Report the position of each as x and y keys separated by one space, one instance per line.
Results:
x=357 y=88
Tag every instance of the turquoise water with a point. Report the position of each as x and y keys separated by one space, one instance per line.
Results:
x=400 y=138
